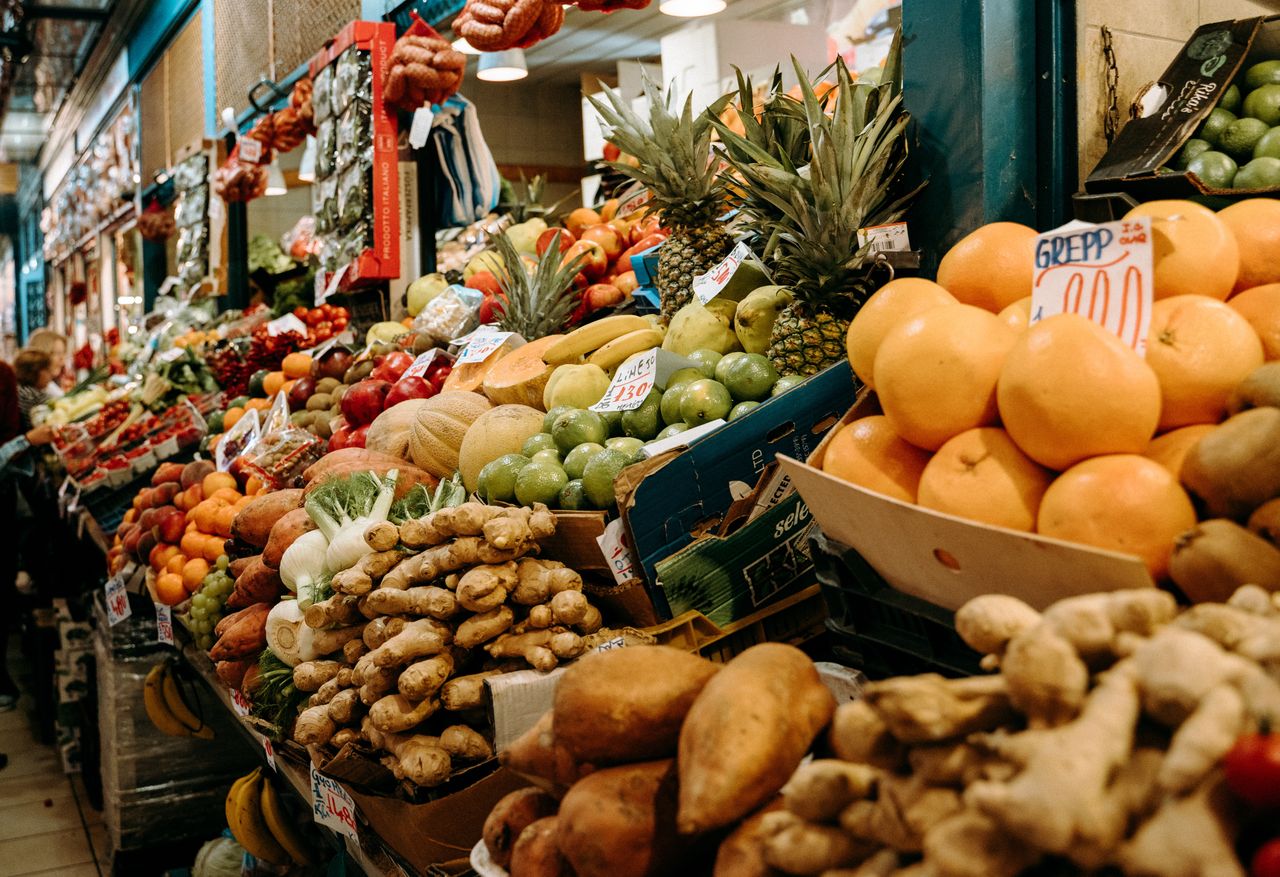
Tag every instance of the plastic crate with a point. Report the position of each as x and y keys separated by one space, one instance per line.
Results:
x=796 y=619
x=879 y=630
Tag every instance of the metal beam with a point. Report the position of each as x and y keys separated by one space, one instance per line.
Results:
x=65 y=13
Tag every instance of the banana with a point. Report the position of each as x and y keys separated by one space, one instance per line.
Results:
x=252 y=833
x=584 y=339
x=616 y=351
x=178 y=707
x=156 y=706
x=282 y=828
x=233 y=814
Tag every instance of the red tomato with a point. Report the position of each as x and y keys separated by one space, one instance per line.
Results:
x=1252 y=769
x=300 y=312
x=1266 y=861
x=312 y=318
x=324 y=328
x=339 y=322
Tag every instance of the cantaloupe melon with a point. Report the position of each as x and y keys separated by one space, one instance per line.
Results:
x=470 y=375
x=439 y=427
x=392 y=431
x=519 y=377
x=499 y=431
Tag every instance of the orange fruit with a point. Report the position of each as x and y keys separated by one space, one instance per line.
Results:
x=1255 y=223
x=1194 y=251
x=193 y=573
x=894 y=303
x=257 y=405
x=870 y=454
x=1170 y=449
x=130 y=515
x=983 y=476
x=213 y=548
x=215 y=481
x=253 y=486
x=1119 y=502
x=169 y=589
x=1261 y=307
x=176 y=562
x=160 y=554
x=226 y=495
x=1200 y=349
x=192 y=543
x=991 y=267
x=272 y=383
x=222 y=521
x=232 y=417
x=936 y=373
x=1070 y=389
x=1018 y=314
x=295 y=365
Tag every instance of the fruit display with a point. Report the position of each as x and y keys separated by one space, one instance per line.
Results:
x=267 y=829
x=1238 y=144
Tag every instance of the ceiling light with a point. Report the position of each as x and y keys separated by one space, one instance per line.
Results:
x=505 y=66
x=307 y=167
x=691 y=8
x=461 y=45
x=275 y=180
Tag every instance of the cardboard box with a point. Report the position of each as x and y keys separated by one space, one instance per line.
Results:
x=1191 y=87
x=946 y=559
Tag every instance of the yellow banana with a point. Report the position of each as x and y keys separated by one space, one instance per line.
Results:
x=616 y=351
x=156 y=706
x=178 y=707
x=584 y=339
x=232 y=812
x=282 y=828
x=254 y=835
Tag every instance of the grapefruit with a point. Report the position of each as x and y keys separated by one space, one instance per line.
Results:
x=1018 y=314
x=1070 y=389
x=1119 y=502
x=1195 y=252
x=1200 y=349
x=895 y=302
x=1261 y=307
x=991 y=267
x=870 y=454
x=1171 y=448
x=1255 y=223
x=936 y=373
x=981 y=475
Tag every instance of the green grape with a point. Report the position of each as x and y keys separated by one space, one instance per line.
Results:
x=222 y=561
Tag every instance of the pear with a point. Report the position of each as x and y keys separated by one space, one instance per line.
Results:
x=423 y=290
x=696 y=326
x=755 y=315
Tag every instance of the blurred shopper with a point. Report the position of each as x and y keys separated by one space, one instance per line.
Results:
x=34 y=369
x=54 y=344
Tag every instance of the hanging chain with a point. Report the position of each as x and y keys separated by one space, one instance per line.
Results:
x=1111 y=120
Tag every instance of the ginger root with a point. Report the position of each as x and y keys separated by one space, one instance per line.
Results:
x=345 y=708
x=929 y=708
x=465 y=743
x=540 y=580
x=395 y=713
x=418 y=639
x=435 y=562
x=798 y=847
x=542 y=649
x=340 y=610
x=859 y=735
x=483 y=627
x=382 y=536
x=485 y=587
x=820 y=789
x=429 y=600
x=1203 y=739
x=466 y=692
x=423 y=679
x=1191 y=836
x=310 y=675
x=314 y=727
x=418 y=758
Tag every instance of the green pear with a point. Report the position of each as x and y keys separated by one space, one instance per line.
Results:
x=755 y=315
x=696 y=326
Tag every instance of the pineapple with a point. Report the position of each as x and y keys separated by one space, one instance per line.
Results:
x=540 y=302
x=677 y=166
x=809 y=215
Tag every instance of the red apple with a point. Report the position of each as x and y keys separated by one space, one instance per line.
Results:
x=302 y=390
x=596 y=261
x=562 y=235
x=607 y=237
x=611 y=151
x=490 y=307
x=484 y=281
x=390 y=367
x=579 y=220
x=364 y=401
x=623 y=228
x=412 y=387
x=627 y=282
x=603 y=295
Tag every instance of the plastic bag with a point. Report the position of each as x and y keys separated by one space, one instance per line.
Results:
x=240 y=439
x=449 y=315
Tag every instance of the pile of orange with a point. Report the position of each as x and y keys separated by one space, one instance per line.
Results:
x=211 y=507
x=1061 y=428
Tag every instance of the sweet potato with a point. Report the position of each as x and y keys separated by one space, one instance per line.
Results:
x=537 y=853
x=627 y=704
x=345 y=457
x=621 y=822
x=232 y=672
x=538 y=757
x=512 y=815
x=408 y=477
x=254 y=522
x=747 y=732
x=283 y=533
x=741 y=854
x=240 y=564
x=245 y=637
x=258 y=583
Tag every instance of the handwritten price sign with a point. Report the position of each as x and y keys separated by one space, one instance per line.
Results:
x=617 y=552
x=287 y=323
x=269 y=751
x=240 y=703
x=708 y=286
x=331 y=806
x=164 y=624
x=631 y=383
x=117 y=601
x=481 y=345
x=1102 y=272
x=251 y=150
x=420 y=365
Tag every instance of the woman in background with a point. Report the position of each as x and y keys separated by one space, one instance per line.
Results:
x=54 y=344
x=34 y=369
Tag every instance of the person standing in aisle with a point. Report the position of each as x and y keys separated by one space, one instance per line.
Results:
x=35 y=371
x=54 y=344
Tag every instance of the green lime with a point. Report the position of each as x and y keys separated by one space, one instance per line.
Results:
x=540 y=482
x=1231 y=99
x=541 y=441
x=645 y=421
x=497 y=480
x=576 y=460
x=1264 y=103
x=1215 y=169
x=627 y=444
x=238 y=402
x=546 y=455
x=597 y=478
x=613 y=422
x=214 y=422
x=552 y=415
x=742 y=408
x=1190 y=150
x=750 y=377
x=684 y=376
x=673 y=429
x=1268 y=145
x=257 y=382
x=1261 y=173
x=786 y=382
x=722 y=367
x=704 y=401
x=1242 y=135
x=573 y=496
x=1262 y=73
x=706 y=360
x=1216 y=123
x=669 y=407
x=579 y=425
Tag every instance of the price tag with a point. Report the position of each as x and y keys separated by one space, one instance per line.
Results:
x=422 y=363
x=617 y=551
x=891 y=238
x=287 y=323
x=250 y=150
x=707 y=286
x=173 y=354
x=269 y=751
x=319 y=287
x=423 y=118
x=331 y=806
x=1103 y=272
x=240 y=703
x=117 y=601
x=633 y=202
x=481 y=345
x=631 y=383
x=609 y=645
x=334 y=282
x=164 y=624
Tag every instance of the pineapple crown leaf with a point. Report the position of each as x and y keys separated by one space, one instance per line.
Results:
x=540 y=304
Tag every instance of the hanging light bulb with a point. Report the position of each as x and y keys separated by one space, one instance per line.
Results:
x=461 y=45
x=691 y=8
x=505 y=66
x=307 y=168
x=275 y=180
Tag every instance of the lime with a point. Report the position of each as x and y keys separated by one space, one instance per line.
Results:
x=1216 y=123
x=670 y=405
x=1215 y=169
x=684 y=376
x=1268 y=145
x=214 y=422
x=613 y=422
x=1261 y=173
x=1242 y=135
x=1231 y=99
x=541 y=441
x=573 y=496
x=579 y=425
x=546 y=455
x=706 y=360
x=552 y=415
x=576 y=460
x=673 y=429
x=750 y=377
x=1260 y=74
x=597 y=478
x=1264 y=103
x=704 y=401
x=742 y=408
x=628 y=445
x=722 y=367
x=786 y=382
x=540 y=482
x=1190 y=150
x=497 y=480
x=645 y=421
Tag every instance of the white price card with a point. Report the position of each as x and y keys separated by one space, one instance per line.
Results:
x=1102 y=272
x=707 y=286
x=631 y=383
x=332 y=286
x=891 y=238
x=331 y=806
x=481 y=344
x=240 y=703
x=287 y=323
x=251 y=150
x=633 y=202
x=419 y=366
x=173 y=354
x=269 y=751
x=117 y=600
x=164 y=624
x=420 y=129
x=616 y=548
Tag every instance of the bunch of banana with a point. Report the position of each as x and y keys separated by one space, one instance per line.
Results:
x=167 y=708
x=606 y=342
x=261 y=825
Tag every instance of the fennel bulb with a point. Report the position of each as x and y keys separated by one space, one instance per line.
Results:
x=302 y=567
